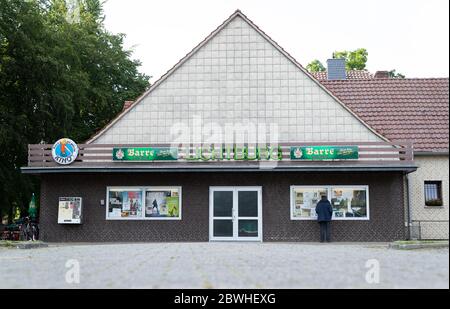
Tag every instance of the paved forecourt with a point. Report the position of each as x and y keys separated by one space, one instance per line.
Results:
x=223 y=265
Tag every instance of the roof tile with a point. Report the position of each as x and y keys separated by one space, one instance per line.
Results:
x=400 y=109
x=353 y=74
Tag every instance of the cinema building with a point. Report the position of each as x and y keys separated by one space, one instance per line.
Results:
x=236 y=142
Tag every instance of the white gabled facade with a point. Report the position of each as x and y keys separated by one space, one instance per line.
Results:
x=238 y=75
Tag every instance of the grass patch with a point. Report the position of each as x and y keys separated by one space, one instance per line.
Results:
x=14 y=244
x=419 y=242
x=8 y=243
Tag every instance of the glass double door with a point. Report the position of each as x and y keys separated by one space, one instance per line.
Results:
x=235 y=213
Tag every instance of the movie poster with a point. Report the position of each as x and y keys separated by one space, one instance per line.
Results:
x=69 y=210
x=125 y=204
x=132 y=204
x=161 y=203
x=306 y=200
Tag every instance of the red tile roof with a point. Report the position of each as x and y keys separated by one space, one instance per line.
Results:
x=127 y=105
x=401 y=109
x=354 y=74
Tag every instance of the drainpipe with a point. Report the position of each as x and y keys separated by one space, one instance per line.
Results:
x=408 y=207
x=408 y=196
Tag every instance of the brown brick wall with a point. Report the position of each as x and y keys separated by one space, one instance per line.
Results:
x=386 y=206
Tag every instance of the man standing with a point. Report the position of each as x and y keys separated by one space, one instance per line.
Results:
x=324 y=213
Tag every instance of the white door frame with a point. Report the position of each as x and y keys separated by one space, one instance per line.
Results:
x=235 y=217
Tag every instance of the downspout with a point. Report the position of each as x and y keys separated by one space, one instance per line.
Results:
x=408 y=198
x=408 y=207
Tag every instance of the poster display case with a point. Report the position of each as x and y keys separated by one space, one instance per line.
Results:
x=143 y=203
x=70 y=210
x=348 y=202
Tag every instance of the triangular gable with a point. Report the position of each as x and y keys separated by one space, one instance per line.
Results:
x=270 y=83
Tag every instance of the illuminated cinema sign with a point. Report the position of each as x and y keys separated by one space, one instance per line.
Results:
x=140 y=154
x=319 y=153
x=227 y=153
x=235 y=153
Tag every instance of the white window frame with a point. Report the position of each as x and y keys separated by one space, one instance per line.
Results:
x=143 y=189
x=329 y=195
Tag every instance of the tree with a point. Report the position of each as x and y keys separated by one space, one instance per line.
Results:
x=355 y=60
x=394 y=74
x=316 y=66
x=61 y=74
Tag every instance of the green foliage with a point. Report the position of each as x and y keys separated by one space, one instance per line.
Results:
x=61 y=74
x=316 y=66
x=394 y=74
x=355 y=60
x=7 y=243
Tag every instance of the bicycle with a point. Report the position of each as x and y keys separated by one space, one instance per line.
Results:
x=29 y=230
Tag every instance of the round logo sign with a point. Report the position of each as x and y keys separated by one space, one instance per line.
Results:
x=65 y=151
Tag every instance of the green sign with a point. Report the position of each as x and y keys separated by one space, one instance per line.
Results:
x=319 y=153
x=312 y=153
x=173 y=207
x=32 y=210
x=145 y=154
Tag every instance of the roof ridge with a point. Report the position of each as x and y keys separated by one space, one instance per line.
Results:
x=385 y=79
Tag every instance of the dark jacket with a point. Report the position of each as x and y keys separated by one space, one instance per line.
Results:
x=324 y=211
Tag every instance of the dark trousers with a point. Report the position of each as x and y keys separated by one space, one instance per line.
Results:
x=325 y=231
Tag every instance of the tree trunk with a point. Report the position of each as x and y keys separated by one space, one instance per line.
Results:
x=11 y=215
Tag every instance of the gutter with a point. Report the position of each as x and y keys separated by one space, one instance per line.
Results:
x=430 y=153
x=57 y=170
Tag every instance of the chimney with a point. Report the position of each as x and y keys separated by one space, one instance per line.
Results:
x=127 y=105
x=381 y=74
x=336 y=69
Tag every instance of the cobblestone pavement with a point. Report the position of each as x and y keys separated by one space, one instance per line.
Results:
x=223 y=265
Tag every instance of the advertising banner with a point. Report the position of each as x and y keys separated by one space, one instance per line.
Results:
x=145 y=154
x=320 y=153
x=164 y=203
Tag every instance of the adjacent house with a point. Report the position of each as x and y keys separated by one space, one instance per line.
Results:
x=410 y=109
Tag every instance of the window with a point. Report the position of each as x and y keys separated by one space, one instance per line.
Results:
x=433 y=193
x=348 y=202
x=125 y=203
x=305 y=201
x=143 y=203
x=162 y=203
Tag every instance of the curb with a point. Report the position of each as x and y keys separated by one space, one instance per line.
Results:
x=423 y=245
x=31 y=246
x=25 y=245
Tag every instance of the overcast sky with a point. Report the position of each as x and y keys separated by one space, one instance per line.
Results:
x=411 y=36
